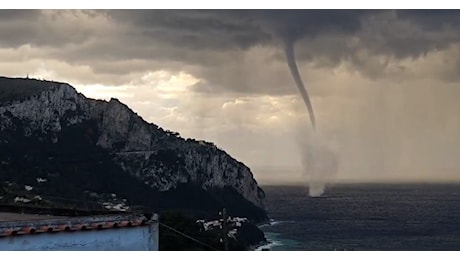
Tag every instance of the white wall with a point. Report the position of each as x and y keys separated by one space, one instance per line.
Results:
x=139 y=238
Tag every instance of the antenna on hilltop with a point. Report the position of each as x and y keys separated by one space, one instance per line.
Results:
x=27 y=77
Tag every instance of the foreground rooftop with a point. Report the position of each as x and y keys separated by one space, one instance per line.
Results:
x=12 y=223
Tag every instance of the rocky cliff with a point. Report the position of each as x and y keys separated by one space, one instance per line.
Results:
x=50 y=131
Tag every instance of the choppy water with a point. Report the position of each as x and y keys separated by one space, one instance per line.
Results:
x=365 y=217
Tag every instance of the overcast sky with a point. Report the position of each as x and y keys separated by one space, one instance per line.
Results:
x=385 y=85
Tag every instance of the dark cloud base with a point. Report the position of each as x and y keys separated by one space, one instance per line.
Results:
x=208 y=43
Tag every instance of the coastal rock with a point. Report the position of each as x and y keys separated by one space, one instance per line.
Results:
x=42 y=121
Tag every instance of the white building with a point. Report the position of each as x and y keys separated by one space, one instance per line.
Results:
x=120 y=232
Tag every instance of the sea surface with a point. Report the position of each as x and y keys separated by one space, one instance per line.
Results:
x=410 y=217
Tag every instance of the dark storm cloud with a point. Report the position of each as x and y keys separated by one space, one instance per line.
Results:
x=16 y=26
x=211 y=43
x=45 y=28
x=195 y=29
x=230 y=29
x=321 y=35
x=296 y=24
x=18 y=14
x=209 y=38
x=410 y=33
x=432 y=19
x=223 y=29
x=227 y=29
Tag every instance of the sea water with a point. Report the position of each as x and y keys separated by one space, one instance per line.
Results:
x=364 y=217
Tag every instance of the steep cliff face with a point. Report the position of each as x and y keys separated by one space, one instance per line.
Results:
x=53 y=115
x=47 y=112
x=163 y=160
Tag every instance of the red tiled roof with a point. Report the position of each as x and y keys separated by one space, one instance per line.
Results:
x=60 y=224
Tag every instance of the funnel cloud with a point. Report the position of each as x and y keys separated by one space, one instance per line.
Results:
x=290 y=57
x=319 y=162
x=320 y=165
